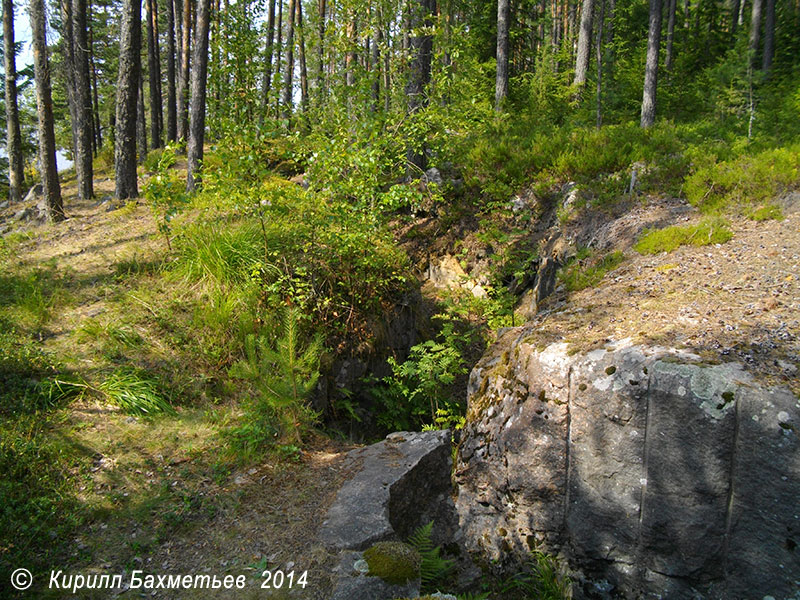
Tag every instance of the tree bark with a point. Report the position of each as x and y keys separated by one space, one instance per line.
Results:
x=141 y=122
x=670 y=35
x=755 y=31
x=769 y=36
x=16 y=172
x=278 y=48
x=98 y=131
x=172 y=123
x=289 y=74
x=127 y=95
x=421 y=49
x=303 y=67
x=154 y=72
x=51 y=189
x=501 y=79
x=183 y=80
x=651 y=67
x=68 y=49
x=321 y=53
x=735 y=17
x=199 y=81
x=599 y=57
x=584 y=43
x=83 y=101
x=267 y=85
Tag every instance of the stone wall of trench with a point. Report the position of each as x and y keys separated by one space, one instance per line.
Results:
x=652 y=474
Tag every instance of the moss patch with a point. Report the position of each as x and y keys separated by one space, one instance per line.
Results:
x=394 y=562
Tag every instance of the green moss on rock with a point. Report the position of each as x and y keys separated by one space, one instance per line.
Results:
x=394 y=562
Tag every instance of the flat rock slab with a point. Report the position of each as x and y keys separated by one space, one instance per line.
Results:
x=400 y=479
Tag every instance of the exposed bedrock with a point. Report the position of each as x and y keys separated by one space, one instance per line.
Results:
x=653 y=474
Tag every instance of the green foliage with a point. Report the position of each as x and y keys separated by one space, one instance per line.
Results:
x=418 y=387
x=711 y=230
x=159 y=159
x=283 y=375
x=541 y=580
x=582 y=273
x=165 y=192
x=135 y=392
x=433 y=567
x=744 y=181
x=394 y=562
x=29 y=377
x=766 y=213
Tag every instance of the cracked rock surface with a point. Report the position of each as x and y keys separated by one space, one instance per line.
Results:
x=654 y=474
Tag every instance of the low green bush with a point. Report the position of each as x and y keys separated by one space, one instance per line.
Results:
x=706 y=232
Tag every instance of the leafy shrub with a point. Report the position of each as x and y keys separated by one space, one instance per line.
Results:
x=165 y=192
x=744 y=181
x=706 y=232
x=579 y=274
x=418 y=387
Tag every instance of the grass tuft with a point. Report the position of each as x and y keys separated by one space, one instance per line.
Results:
x=135 y=393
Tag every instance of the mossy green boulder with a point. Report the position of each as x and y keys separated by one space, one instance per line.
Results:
x=394 y=562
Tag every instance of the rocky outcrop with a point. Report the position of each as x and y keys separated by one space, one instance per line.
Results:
x=400 y=484
x=654 y=475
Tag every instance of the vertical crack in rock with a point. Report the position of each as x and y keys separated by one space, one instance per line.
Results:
x=645 y=461
x=568 y=445
x=731 y=490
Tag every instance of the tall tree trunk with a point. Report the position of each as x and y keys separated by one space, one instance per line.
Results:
x=755 y=31
x=69 y=69
x=199 y=81
x=599 y=57
x=141 y=121
x=670 y=35
x=376 y=62
x=584 y=43
x=98 y=132
x=651 y=67
x=289 y=74
x=501 y=79
x=735 y=6
x=83 y=101
x=278 y=49
x=154 y=72
x=303 y=67
x=350 y=57
x=267 y=85
x=421 y=49
x=127 y=95
x=387 y=72
x=769 y=36
x=54 y=207
x=183 y=80
x=321 y=52
x=16 y=172
x=172 y=123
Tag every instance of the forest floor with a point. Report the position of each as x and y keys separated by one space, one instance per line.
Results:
x=153 y=494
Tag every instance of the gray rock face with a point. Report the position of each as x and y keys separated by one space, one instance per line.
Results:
x=401 y=484
x=641 y=466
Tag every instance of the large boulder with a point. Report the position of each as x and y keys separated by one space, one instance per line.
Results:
x=399 y=484
x=652 y=474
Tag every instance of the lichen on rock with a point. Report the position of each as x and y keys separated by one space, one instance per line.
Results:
x=394 y=562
